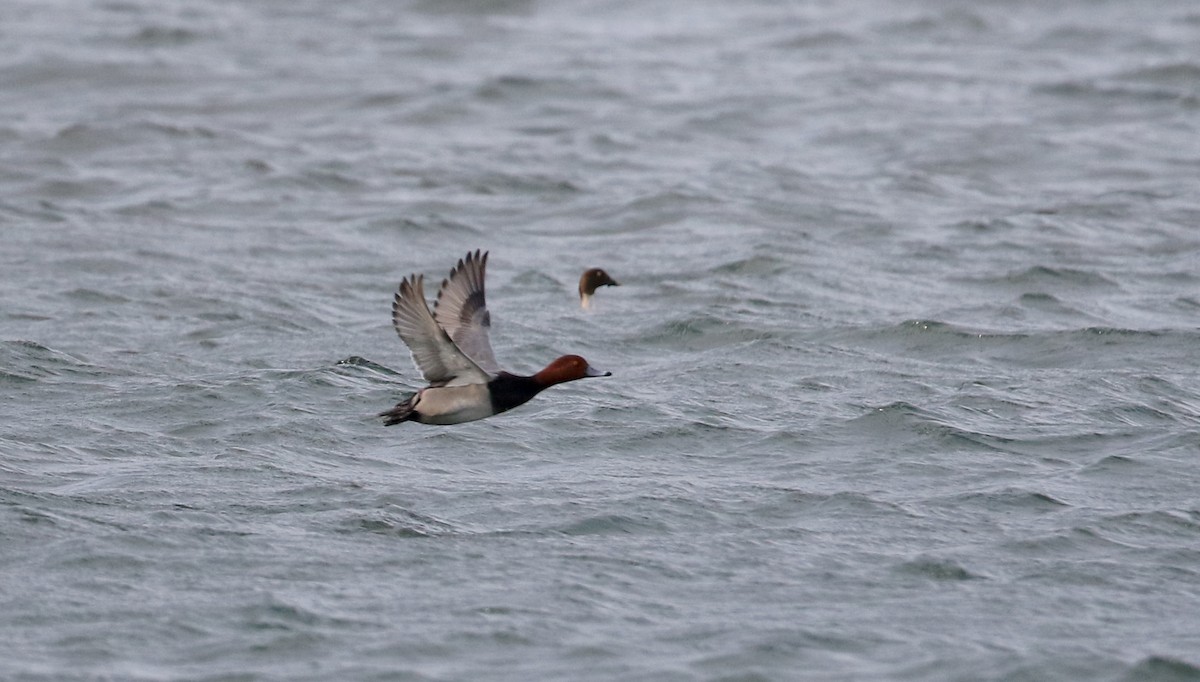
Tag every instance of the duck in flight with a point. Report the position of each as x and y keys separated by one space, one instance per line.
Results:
x=450 y=347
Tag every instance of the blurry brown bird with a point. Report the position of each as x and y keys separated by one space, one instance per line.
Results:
x=589 y=282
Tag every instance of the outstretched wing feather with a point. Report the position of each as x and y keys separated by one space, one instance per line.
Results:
x=441 y=362
x=461 y=309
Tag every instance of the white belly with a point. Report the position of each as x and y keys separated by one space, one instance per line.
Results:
x=454 y=404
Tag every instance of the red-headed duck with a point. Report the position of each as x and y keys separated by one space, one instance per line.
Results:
x=590 y=281
x=451 y=348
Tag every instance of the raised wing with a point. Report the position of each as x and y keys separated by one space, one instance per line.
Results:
x=441 y=362
x=462 y=311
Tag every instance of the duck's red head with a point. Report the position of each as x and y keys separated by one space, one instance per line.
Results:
x=567 y=368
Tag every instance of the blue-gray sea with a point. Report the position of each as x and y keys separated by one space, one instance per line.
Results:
x=905 y=352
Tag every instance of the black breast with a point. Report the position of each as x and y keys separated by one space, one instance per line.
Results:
x=510 y=390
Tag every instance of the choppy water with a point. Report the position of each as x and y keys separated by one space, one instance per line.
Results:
x=905 y=360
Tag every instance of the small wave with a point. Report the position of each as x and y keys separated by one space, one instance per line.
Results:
x=816 y=41
x=1138 y=414
x=538 y=184
x=1181 y=74
x=87 y=188
x=389 y=99
x=1162 y=669
x=934 y=327
x=1064 y=544
x=1074 y=37
x=1042 y=275
x=150 y=208
x=30 y=361
x=276 y=613
x=431 y=223
x=1094 y=345
x=397 y=522
x=930 y=332
x=937 y=569
x=1043 y=301
x=1114 y=464
x=163 y=36
x=1007 y=499
x=985 y=225
x=937 y=25
x=178 y=131
x=609 y=524
x=84 y=137
x=1105 y=90
x=1139 y=527
x=901 y=422
x=514 y=87
x=838 y=504
x=754 y=265
x=340 y=375
x=323 y=178
x=357 y=362
x=480 y=8
x=96 y=297
x=702 y=332
x=666 y=207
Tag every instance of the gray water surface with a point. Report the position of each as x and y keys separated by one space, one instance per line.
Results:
x=904 y=358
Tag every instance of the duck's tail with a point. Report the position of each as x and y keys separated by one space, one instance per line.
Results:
x=401 y=413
